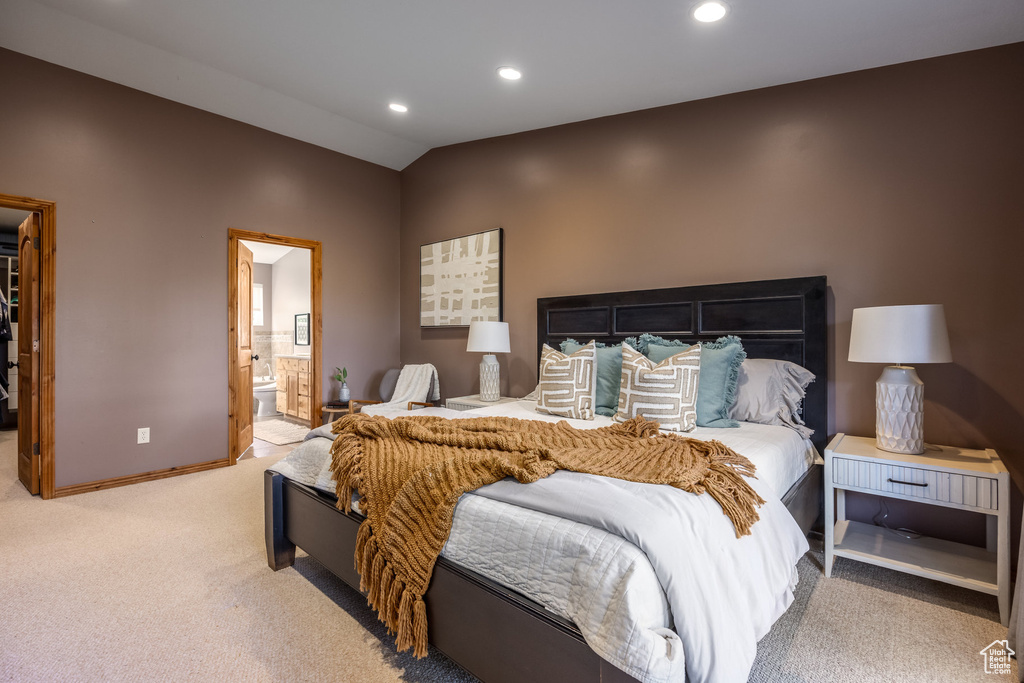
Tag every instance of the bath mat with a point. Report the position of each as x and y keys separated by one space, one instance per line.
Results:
x=279 y=432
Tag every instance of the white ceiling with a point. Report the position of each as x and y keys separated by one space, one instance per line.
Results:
x=10 y=219
x=324 y=71
x=264 y=252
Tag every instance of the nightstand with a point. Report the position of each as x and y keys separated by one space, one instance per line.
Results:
x=471 y=402
x=959 y=478
x=333 y=412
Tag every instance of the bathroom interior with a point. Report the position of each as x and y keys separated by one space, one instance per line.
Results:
x=281 y=306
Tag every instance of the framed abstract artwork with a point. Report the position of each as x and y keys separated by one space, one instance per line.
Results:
x=302 y=329
x=461 y=280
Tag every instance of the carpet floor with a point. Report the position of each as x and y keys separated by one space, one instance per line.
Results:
x=168 y=581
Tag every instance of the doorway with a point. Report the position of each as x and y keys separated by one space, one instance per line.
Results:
x=29 y=290
x=281 y=360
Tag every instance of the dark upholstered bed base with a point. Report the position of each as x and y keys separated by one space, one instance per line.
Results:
x=481 y=625
x=805 y=499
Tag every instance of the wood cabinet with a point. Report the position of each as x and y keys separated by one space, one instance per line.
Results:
x=293 y=386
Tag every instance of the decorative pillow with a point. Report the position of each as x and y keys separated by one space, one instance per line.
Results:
x=771 y=392
x=568 y=382
x=666 y=392
x=719 y=371
x=642 y=343
x=663 y=351
x=609 y=373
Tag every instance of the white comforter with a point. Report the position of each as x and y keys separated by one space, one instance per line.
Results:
x=654 y=577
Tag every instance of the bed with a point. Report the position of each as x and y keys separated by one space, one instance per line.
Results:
x=485 y=626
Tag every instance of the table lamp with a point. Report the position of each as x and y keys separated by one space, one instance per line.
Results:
x=488 y=338
x=899 y=334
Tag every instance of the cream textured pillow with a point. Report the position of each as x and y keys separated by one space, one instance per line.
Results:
x=666 y=392
x=568 y=383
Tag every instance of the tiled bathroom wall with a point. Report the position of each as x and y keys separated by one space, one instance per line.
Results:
x=269 y=345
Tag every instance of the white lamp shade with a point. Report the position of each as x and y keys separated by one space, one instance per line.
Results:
x=488 y=337
x=903 y=335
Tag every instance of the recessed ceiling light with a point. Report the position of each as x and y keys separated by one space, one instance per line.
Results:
x=400 y=108
x=510 y=73
x=708 y=12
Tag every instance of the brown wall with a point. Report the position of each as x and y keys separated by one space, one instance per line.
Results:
x=146 y=190
x=903 y=185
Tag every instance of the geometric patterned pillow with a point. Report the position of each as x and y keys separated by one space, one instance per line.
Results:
x=568 y=383
x=666 y=392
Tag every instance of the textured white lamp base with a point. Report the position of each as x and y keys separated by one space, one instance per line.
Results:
x=899 y=410
x=490 y=378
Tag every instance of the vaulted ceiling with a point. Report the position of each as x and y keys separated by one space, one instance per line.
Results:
x=325 y=71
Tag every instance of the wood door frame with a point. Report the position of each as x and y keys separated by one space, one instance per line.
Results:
x=316 y=324
x=47 y=332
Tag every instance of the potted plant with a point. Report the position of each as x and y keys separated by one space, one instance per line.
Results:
x=341 y=374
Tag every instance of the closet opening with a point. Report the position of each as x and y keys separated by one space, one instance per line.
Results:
x=10 y=222
x=27 y=304
x=274 y=341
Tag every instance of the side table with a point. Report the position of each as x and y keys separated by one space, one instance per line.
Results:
x=960 y=478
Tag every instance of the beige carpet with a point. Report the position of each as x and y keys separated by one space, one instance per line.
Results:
x=279 y=432
x=867 y=624
x=168 y=581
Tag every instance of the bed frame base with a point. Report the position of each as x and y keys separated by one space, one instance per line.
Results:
x=805 y=499
x=481 y=625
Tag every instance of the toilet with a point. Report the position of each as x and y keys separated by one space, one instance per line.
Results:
x=265 y=398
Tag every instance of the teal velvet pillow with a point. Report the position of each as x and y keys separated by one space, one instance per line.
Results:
x=720 y=362
x=609 y=374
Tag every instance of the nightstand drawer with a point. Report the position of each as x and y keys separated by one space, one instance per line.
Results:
x=455 y=404
x=981 y=493
x=474 y=402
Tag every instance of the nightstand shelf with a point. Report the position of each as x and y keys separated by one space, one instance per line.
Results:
x=945 y=476
x=473 y=402
x=962 y=565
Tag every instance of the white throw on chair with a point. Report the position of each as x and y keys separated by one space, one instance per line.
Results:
x=416 y=385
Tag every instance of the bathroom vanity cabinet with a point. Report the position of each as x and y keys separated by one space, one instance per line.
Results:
x=293 y=386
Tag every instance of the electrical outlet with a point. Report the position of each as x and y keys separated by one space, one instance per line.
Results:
x=143 y=434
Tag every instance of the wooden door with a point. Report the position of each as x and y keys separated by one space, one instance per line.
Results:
x=28 y=353
x=243 y=404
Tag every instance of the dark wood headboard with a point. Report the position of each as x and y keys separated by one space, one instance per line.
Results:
x=782 y=319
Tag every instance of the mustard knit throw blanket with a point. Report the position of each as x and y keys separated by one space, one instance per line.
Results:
x=410 y=472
